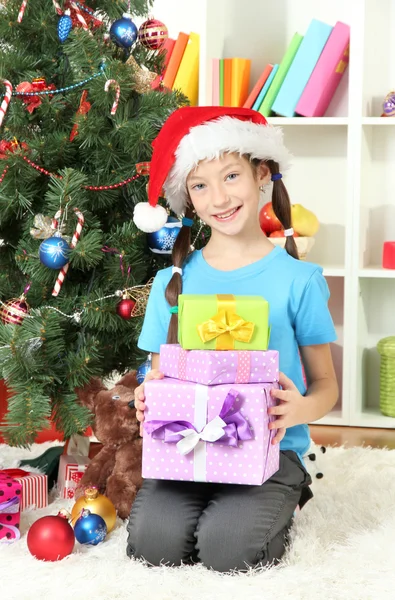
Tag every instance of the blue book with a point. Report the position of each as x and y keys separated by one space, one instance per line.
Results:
x=262 y=93
x=301 y=68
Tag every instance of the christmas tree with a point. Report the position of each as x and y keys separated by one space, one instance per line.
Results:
x=80 y=110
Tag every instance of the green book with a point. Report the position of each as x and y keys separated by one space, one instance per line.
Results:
x=266 y=106
x=221 y=82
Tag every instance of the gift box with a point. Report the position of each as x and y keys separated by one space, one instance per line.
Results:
x=10 y=508
x=223 y=322
x=34 y=488
x=71 y=470
x=215 y=367
x=195 y=432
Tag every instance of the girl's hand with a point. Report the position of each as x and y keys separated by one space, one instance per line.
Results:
x=139 y=396
x=290 y=409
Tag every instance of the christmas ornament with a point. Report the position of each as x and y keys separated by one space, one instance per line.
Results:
x=142 y=77
x=88 y=20
x=90 y=528
x=98 y=505
x=117 y=87
x=27 y=91
x=45 y=227
x=14 y=311
x=6 y=100
x=11 y=147
x=162 y=241
x=142 y=371
x=125 y=308
x=389 y=105
x=54 y=252
x=123 y=32
x=74 y=242
x=65 y=25
x=83 y=109
x=22 y=11
x=153 y=34
x=51 y=538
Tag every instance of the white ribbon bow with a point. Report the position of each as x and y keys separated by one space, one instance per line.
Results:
x=212 y=432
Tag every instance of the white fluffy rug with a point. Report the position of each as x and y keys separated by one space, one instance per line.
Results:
x=343 y=547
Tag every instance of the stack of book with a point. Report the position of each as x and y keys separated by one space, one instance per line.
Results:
x=302 y=84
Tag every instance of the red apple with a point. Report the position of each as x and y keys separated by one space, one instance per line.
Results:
x=280 y=233
x=268 y=220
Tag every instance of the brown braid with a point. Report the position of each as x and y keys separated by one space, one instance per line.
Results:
x=282 y=207
x=174 y=287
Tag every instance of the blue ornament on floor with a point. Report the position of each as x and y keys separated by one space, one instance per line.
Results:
x=142 y=371
x=123 y=32
x=54 y=252
x=162 y=241
x=65 y=25
x=90 y=528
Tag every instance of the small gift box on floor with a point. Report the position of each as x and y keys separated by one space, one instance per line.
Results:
x=194 y=432
x=71 y=470
x=223 y=322
x=10 y=508
x=214 y=367
x=34 y=488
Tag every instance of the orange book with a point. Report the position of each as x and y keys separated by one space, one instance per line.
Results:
x=167 y=49
x=241 y=69
x=257 y=87
x=227 y=82
x=175 y=59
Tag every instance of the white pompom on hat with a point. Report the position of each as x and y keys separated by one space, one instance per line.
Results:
x=192 y=134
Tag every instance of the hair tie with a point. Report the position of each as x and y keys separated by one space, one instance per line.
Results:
x=174 y=310
x=187 y=222
x=276 y=176
x=288 y=232
x=176 y=270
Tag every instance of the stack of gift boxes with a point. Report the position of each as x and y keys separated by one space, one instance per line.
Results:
x=207 y=419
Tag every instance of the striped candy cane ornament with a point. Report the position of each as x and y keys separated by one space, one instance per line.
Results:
x=74 y=242
x=115 y=83
x=79 y=16
x=7 y=98
x=22 y=11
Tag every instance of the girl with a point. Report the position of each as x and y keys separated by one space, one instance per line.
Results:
x=213 y=162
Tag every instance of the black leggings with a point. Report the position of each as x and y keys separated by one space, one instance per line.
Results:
x=225 y=527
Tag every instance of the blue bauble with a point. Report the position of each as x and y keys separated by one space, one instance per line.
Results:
x=162 y=241
x=54 y=252
x=90 y=528
x=65 y=25
x=142 y=371
x=123 y=32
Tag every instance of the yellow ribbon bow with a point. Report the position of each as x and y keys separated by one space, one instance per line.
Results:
x=226 y=326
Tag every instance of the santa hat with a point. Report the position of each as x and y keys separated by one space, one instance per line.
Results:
x=192 y=134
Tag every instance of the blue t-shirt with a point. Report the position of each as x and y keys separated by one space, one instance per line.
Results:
x=297 y=294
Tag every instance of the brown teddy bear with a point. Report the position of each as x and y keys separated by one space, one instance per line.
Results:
x=116 y=469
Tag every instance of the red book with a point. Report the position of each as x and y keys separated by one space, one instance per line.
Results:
x=257 y=87
x=167 y=49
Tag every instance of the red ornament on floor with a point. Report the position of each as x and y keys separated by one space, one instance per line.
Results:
x=125 y=308
x=51 y=538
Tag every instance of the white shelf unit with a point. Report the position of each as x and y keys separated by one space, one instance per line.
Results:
x=343 y=165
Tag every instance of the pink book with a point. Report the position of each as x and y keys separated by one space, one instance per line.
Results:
x=215 y=82
x=327 y=74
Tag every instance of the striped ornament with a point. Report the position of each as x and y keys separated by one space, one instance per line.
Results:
x=153 y=34
x=13 y=312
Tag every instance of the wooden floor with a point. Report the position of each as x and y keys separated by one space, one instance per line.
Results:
x=352 y=436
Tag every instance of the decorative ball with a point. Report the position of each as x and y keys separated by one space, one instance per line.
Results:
x=153 y=34
x=123 y=32
x=162 y=241
x=142 y=371
x=389 y=105
x=125 y=308
x=65 y=25
x=14 y=311
x=90 y=528
x=51 y=538
x=54 y=252
x=97 y=504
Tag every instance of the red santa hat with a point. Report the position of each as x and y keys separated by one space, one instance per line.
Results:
x=192 y=134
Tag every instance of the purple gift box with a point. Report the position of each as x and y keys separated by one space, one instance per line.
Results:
x=216 y=367
x=195 y=432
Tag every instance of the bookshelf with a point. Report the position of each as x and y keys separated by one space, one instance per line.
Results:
x=343 y=165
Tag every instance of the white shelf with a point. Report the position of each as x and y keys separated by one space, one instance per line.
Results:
x=371 y=417
x=377 y=271
x=317 y=121
x=335 y=417
x=382 y=121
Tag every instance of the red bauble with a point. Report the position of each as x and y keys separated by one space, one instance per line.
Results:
x=153 y=34
x=125 y=308
x=51 y=538
x=13 y=312
x=268 y=220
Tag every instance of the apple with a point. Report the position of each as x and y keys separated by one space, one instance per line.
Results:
x=268 y=220
x=280 y=233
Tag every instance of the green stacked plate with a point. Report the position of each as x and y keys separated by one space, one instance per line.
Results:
x=386 y=349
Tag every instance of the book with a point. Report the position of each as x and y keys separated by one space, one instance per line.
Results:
x=241 y=70
x=166 y=49
x=187 y=78
x=327 y=74
x=227 y=81
x=266 y=107
x=215 y=82
x=301 y=68
x=175 y=59
x=221 y=82
x=262 y=94
x=258 y=87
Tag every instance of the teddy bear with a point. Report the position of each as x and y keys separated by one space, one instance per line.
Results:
x=116 y=469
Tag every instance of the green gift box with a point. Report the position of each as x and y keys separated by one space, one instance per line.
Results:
x=223 y=322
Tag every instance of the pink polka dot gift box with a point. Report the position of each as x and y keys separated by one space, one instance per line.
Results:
x=215 y=367
x=195 y=432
